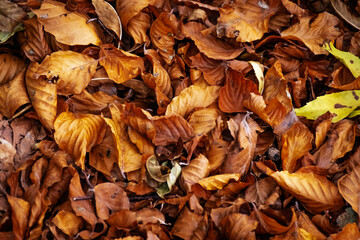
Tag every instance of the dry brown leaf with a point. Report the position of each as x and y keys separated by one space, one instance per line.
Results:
x=35 y=45
x=142 y=143
x=217 y=154
x=170 y=128
x=295 y=143
x=305 y=223
x=218 y=214
x=72 y=71
x=10 y=67
x=83 y=208
x=110 y=198
x=322 y=128
x=120 y=65
x=239 y=226
x=235 y=91
x=213 y=70
x=13 y=95
x=208 y=45
x=108 y=16
x=123 y=219
x=11 y=15
x=186 y=225
x=293 y=8
x=349 y=187
x=314 y=33
x=137 y=28
x=203 y=120
x=43 y=96
x=247 y=21
x=194 y=172
x=69 y=28
x=78 y=134
x=192 y=97
x=128 y=157
x=162 y=32
x=68 y=222
x=20 y=213
x=218 y=181
x=315 y=192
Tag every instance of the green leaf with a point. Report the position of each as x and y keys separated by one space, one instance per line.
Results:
x=162 y=190
x=351 y=61
x=341 y=104
x=4 y=36
x=354 y=113
x=166 y=187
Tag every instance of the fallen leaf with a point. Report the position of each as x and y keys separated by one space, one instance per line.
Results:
x=218 y=214
x=120 y=65
x=203 y=120
x=68 y=222
x=61 y=23
x=10 y=67
x=77 y=134
x=239 y=226
x=186 y=225
x=213 y=70
x=218 y=181
x=20 y=213
x=349 y=187
x=70 y=70
x=333 y=103
x=197 y=169
x=350 y=231
x=11 y=15
x=315 y=33
x=138 y=26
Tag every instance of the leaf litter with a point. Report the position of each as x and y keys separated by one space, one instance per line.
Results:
x=179 y=119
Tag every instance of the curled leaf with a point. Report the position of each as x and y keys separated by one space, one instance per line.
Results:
x=218 y=181
x=194 y=172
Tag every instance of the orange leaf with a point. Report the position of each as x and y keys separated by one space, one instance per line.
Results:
x=208 y=45
x=35 y=45
x=110 y=197
x=186 y=224
x=203 y=120
x=108 y=16
x=323 y=124
x=194 y=172
x=295 y=143
x=13 y=95
x=213 y=70
x=43 y=96
x=271 y=225
x=141 y=142
x=350 y=231
x=218 y=181
x=68 y=222
x=349 y=187
x=19 y=216
x=162 y=33
x=235 y=91
x=73 y=70
x=192 y=97
x=120 y=65
x=77 y=134
x=137 y=28
x=218 y=214
x=315 y=192
x=69 y=28
x=239 y=226
x=315 y=33
x=128 y=157
x=10 y=67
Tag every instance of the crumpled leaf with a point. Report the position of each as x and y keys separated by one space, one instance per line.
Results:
x=235 y=91
x=68 y=222
x=43 y=96
x=218 y=181
x=138 y=26
x=295 y=143
x=109 y=198
x=218 y=214
x=203 y=120
x=239 y=226
x=351 y=61
x=315 y=192
x=186 y=225
x=77 y=134
x=128 y=157
x=120 y=65
x=315 y=33
x=192 y=97
x=10 y=15
x=349 y=187
x=108 y=16
x=341 y=104
x=10 y=67
x=212 y=47
x=165 y=188
x=72 y=70
x=69 y=28
x=194 y=172
x=35 y=45
x=13 y=95
x=350 y=231
x=162 y=33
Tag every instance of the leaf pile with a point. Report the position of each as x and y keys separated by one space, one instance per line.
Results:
x=178 y=119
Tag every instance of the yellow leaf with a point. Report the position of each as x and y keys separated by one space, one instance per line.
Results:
x=351 y=61
x=68 y=222
x=77 y=134
x=218 y=181
x=341 y=104
x=194 y=172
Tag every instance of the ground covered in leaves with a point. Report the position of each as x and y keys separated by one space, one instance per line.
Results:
x=179 y=119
